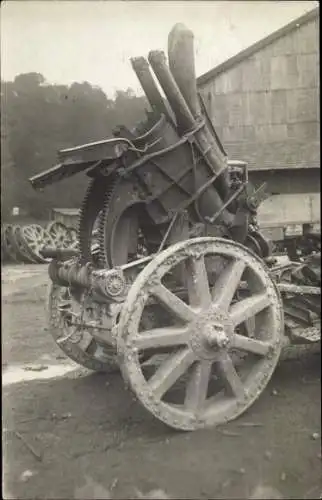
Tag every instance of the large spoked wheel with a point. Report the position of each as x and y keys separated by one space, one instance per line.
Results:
x=79 y=344
x=33 y=238
x=59 y=234
x=216 y=315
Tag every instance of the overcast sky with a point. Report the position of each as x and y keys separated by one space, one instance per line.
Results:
x=93 y=40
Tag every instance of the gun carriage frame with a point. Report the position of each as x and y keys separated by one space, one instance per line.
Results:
x=173 y=282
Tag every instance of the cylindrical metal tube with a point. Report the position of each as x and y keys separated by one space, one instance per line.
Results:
x=70 y=274
x=108 y=283
x=185 y=119
x=210 y=202
x=142 y=70
x=182 y=66
x=58 y=253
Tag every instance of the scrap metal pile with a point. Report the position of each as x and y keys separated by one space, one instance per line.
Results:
x=23 y=244
x=173 y=282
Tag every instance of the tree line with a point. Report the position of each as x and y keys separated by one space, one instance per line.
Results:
x=37 y=120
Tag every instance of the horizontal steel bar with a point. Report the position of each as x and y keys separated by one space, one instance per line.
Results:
x=58 y=253
x=299 y=290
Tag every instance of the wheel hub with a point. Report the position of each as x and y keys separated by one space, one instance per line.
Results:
x=216 y=336
x=210 y=333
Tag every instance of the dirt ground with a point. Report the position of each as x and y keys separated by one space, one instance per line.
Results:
x=82 y=434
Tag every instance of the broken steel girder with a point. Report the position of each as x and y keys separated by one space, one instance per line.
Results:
x=207 y=327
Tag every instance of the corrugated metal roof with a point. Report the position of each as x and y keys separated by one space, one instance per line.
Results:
x=249 y=51
x=291 y=154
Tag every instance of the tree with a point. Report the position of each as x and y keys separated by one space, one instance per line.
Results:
x=38 y=119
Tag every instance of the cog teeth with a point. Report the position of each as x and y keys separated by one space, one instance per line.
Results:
x=103 y=253
x=83 y=219
x=91 y=206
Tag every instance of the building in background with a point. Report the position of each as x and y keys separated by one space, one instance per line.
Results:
x=264 y=103
x=67 y=216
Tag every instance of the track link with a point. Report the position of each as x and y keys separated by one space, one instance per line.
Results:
x=302 y=313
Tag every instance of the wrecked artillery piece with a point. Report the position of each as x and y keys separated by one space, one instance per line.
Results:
x=173 y=282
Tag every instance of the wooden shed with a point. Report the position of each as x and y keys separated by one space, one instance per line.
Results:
x=264 y=103
x=67 y=216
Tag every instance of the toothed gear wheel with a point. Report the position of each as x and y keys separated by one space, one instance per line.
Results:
x=124 y=233
x=94 y=201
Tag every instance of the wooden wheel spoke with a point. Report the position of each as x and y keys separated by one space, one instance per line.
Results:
x=250 y=326
x=197 y=282
x=173 y=303
x=227 y=284
x=231 y=379
x=204 y=333
x=170 y=371
x=247 y=308
x=247 y=344
x=160 y=337
x=197 y=387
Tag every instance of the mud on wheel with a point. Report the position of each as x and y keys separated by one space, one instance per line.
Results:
x=229 y=304
x=77 y=342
